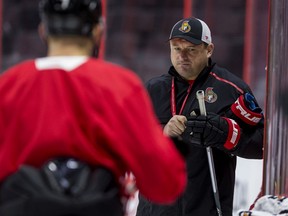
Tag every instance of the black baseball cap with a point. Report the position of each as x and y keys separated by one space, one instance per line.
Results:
x=193 y=30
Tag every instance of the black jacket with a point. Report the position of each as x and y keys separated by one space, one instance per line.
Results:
x=223 y=88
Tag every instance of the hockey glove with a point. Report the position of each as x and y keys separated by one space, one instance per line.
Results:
x=245 y=111
x=212 y=130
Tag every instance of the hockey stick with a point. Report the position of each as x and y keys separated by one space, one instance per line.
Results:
x=200 y=96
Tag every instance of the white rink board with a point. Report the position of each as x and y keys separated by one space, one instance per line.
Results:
x=248 y=183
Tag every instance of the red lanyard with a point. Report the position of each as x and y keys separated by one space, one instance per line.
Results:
x=173 y=102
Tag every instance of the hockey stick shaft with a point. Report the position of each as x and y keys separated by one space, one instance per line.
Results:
x=200 y=96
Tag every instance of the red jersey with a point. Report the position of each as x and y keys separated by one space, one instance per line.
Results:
x=89 y=109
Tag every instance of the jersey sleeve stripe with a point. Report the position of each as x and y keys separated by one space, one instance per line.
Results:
x=227 y=81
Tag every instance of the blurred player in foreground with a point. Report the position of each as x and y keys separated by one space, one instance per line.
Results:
x=72 y=125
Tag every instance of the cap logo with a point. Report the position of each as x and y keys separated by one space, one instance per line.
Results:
x=185 y=27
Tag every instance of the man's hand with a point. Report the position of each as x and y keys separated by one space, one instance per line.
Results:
x=174 y=129
x=176 y=126
x=212 y=130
